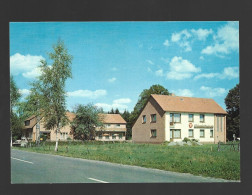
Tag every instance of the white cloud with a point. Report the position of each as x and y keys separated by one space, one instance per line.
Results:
x=122 y=101
x=24 y=92
x=178 y=64
x=206 y=75
x=87 y=93
x=228 y=73
x=112 y=80
x=202 y=34
x=33 y=73
x=225 y=41
x=181 y=69
x=178 y=75
x=166 y=43
x=149 y=69
x=118 y=103
x=213 y=92
x=24 y=63
x=201 y=58
x=159 y=73
x=231 y=72
x=150 y=62
x=182 y=39
x=184 y=34
x=183 y=92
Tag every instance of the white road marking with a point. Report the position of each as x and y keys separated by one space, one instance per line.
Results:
x=22 y=160
x=98 y=180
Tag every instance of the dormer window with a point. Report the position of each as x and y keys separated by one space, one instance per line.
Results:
x=27 y=123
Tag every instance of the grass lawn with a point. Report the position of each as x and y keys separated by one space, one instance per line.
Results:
x=197 y=160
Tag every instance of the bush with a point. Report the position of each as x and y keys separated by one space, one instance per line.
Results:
x=186 y=140
x=69 y=139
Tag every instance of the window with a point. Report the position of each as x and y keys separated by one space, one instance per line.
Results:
x=100 y=136
x=117 y=125
x=153 y=133
x=177 y=133
x=108 y=125
x=202 y=133
x=144 y=119
x=27 y=123
x=202 y=118
x=153 y=118
x=120 y=136
x=190 y=133
x=113 y=136
x=175 y=117
x=211 y=133
x=190 y=116
x=63 y=135
x=107 y=136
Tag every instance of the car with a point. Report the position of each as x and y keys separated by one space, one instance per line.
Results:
x=17 y=143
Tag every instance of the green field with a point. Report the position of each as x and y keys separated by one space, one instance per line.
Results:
x=197 y=160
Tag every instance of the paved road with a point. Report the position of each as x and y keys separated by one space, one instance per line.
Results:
x=29 y=167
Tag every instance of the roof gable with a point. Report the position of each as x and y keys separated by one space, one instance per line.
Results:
x=188 y=104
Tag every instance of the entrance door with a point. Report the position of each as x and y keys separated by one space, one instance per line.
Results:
x=171 y=135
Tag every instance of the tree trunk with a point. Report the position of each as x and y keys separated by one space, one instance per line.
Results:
x=56 y=145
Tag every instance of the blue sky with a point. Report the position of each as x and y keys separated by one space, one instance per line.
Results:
x=114 y=61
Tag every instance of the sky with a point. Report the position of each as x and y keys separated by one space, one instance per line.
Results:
x=113 y=62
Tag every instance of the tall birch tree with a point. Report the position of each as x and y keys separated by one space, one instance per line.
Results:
x=50 y=88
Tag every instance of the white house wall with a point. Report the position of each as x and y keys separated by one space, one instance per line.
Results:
x=184 y=126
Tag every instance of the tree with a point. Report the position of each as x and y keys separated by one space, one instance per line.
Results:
x=117 y=111
x=232 y=102
x=143 y=98
x=111 y=111
x=126 y=117
x=15 y=122
x=30 y=106
x=49 y=89
x=87 y=118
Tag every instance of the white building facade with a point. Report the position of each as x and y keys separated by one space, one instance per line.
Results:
x=190 y=125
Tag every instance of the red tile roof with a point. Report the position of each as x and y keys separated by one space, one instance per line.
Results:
x=188 y=104
x=112 y=118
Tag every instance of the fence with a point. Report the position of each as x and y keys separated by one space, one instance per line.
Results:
x=233 y=146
